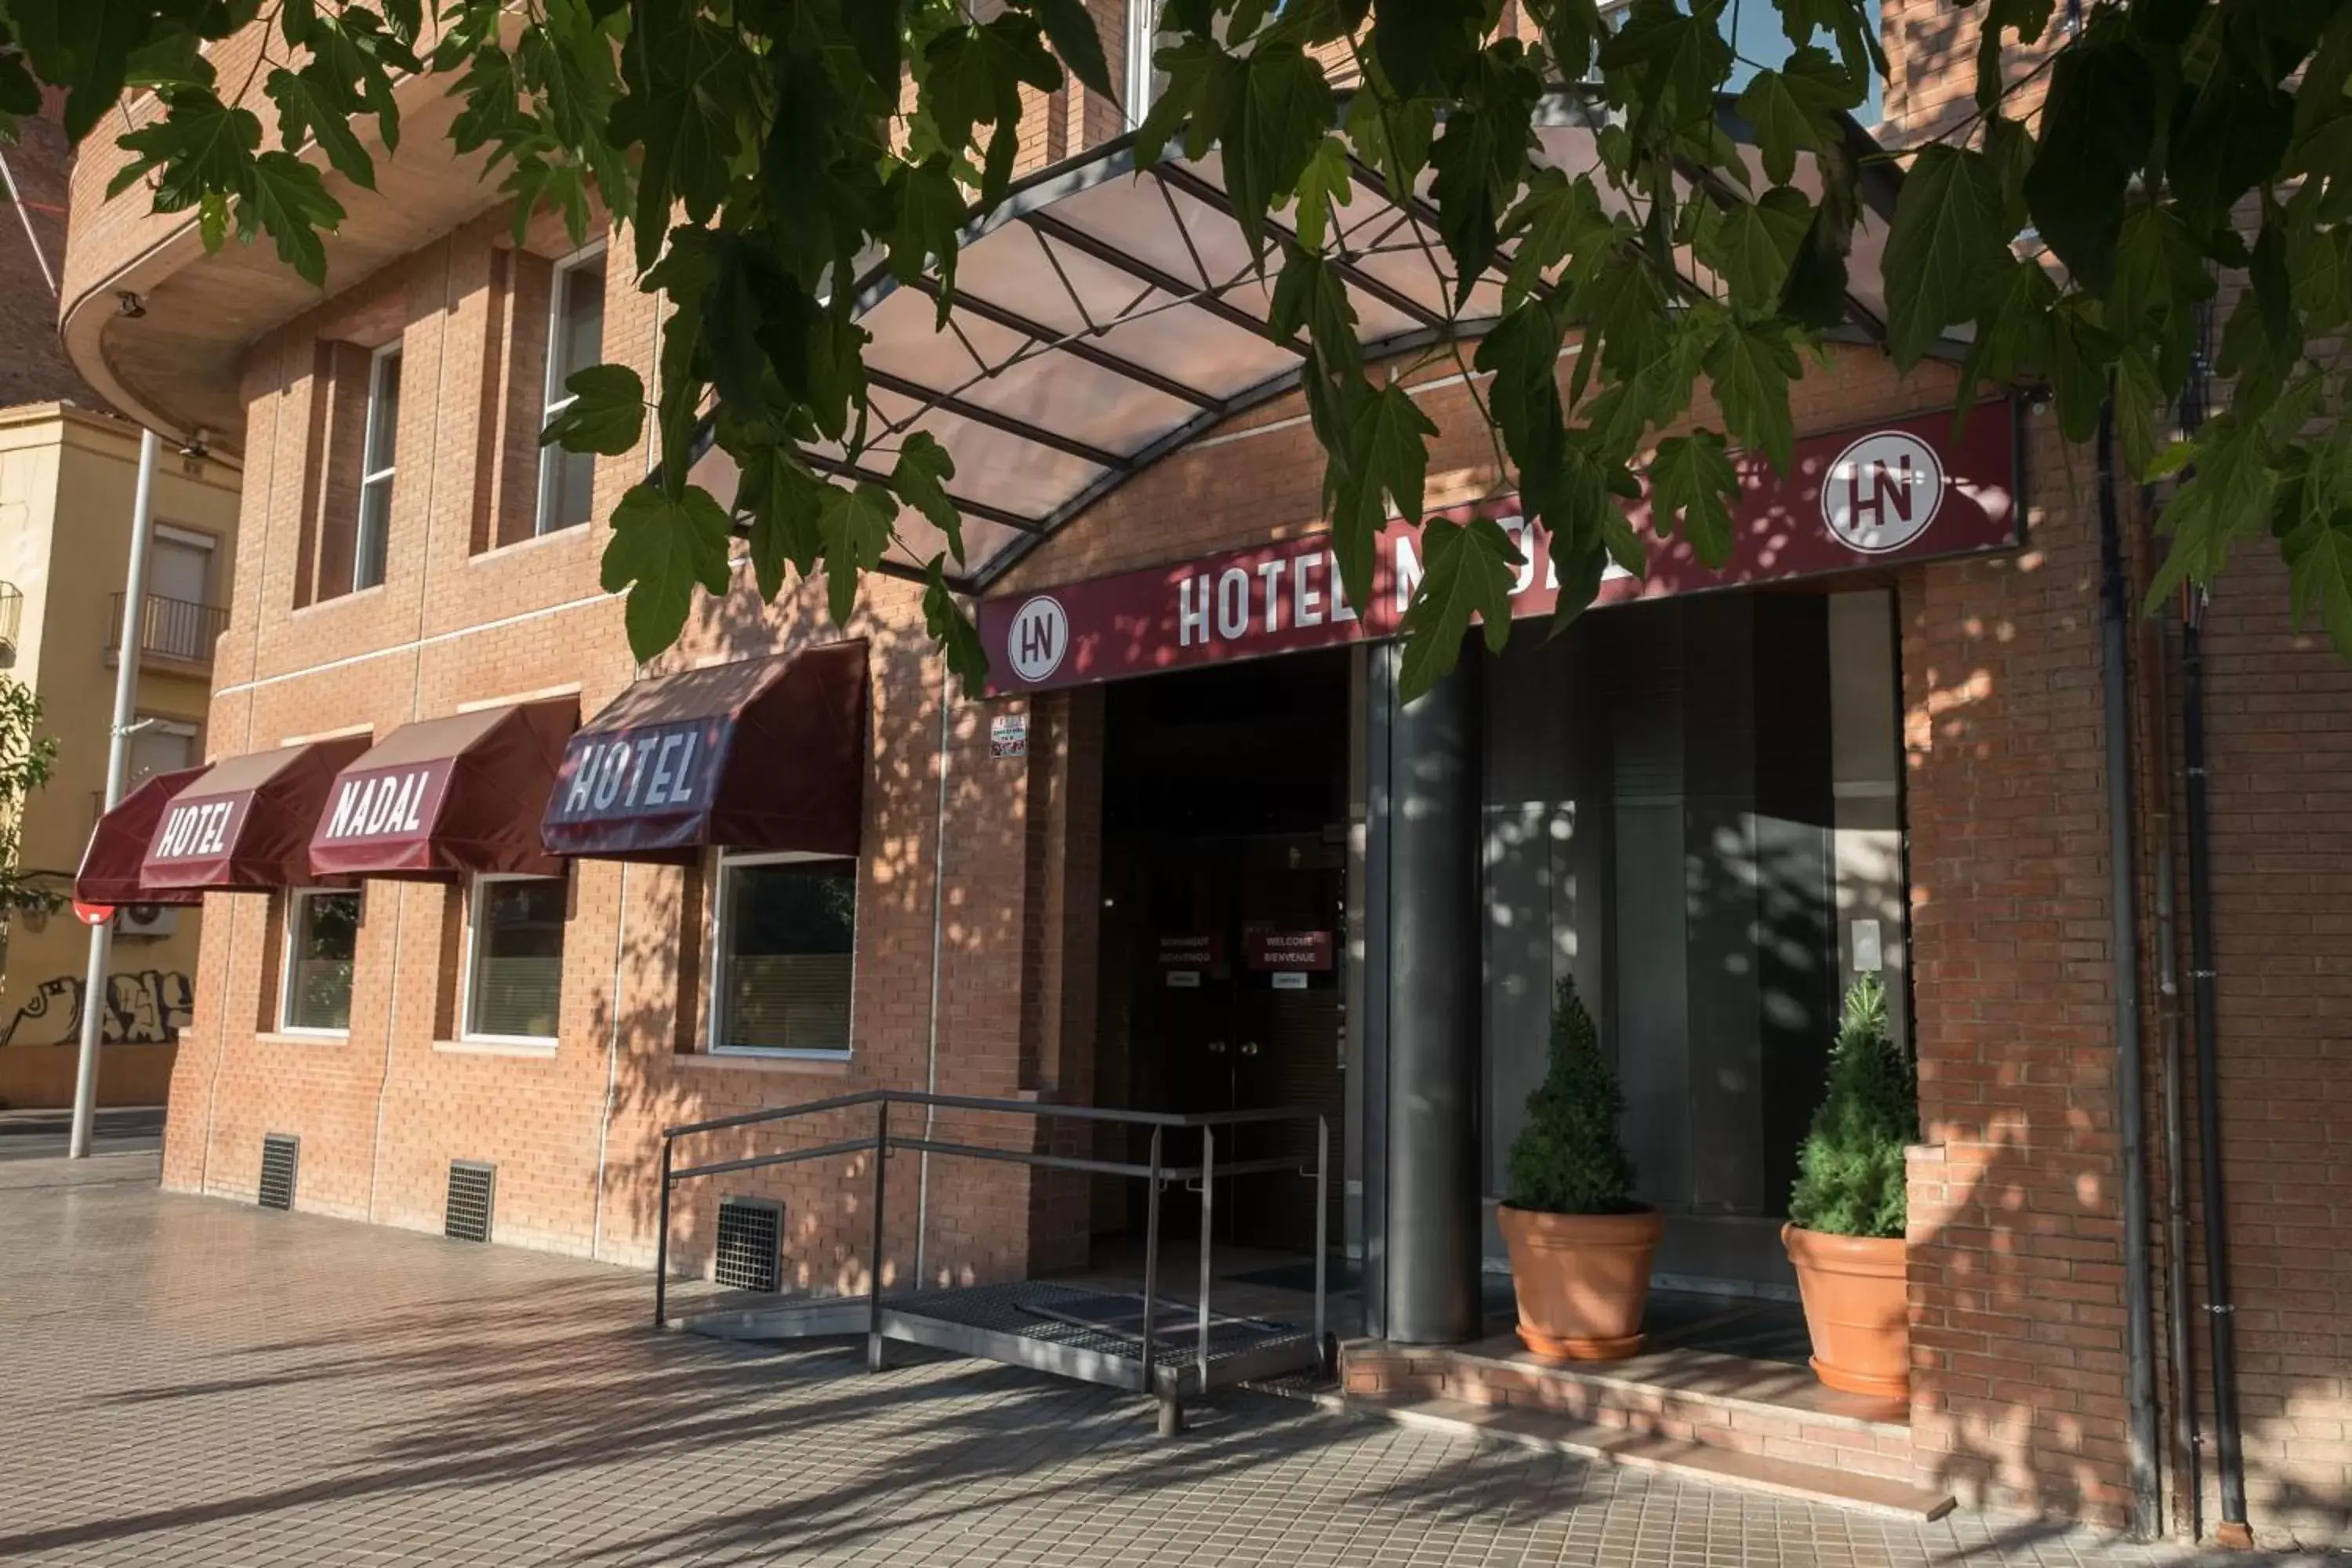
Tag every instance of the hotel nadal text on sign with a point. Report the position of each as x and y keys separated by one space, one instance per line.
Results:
x=1907 y=490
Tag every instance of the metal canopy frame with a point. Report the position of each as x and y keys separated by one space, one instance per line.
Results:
x=1104 y=317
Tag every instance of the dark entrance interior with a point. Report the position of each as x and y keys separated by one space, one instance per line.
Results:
x=1223 y=937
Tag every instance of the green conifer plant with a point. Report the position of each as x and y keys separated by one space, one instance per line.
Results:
x=1568 y=1158
x=1850 y=1171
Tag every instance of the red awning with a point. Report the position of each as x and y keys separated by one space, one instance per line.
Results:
x=765 y=753
x=444 y=797
x=109 y=865
x=245 y=825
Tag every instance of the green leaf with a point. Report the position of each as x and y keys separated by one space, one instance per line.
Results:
x=606 y=414
x=290 y=202
x=1945 y=240
x=305 y=109
x=1468 y=571
x=661 y=547
x=2139 y=406
x=2096 y=129
x=1481 y=158
x=1423 y=46
x=944 y=618
x=1308 y=294
x=1750 y=367
x=920 y=476
x=2227 y=497
x=1796 y=106
x=975 y=77
x=782 y=499
x=1388 y=444
x=1672 y=60
x=1327 y=181
x=1071 y=29
x=1692 y=482
x=2318 y=554
x=927 y=222
x=855 y=525
x=2012 y=328
x=1557 y=218
x=1753 y=243
x=1285 y=107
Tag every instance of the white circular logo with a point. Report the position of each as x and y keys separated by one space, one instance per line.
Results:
x=1039 y=637
x=1883 y=491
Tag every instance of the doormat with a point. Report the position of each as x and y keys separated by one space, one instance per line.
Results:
x=1340 y=1275
x=1122 y=1316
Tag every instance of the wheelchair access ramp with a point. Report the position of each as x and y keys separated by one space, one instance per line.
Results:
x=1172 y=1352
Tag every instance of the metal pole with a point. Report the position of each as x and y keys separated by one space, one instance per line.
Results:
x=2220 y=1304
x=1151 y=1257
x=1172 y=1409
x=126 y=703
x=874 y=1259
x=661 y=1242
x=1322 y=1218
x=1208 y=1239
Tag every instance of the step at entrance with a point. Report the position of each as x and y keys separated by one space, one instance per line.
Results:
x=1761 y=1424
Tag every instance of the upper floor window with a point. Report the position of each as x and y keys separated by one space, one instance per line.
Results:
x=376 y=468
x=348 y=467
x=575 y=340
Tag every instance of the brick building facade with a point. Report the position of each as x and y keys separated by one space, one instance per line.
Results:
x=980 y=884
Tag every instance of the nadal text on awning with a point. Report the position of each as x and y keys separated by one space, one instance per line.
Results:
x=450 y=797
x=1905 y=490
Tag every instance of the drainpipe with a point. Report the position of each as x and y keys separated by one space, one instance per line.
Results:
x=2188 y=1505
x=2123 y=856
x=2221 y=1311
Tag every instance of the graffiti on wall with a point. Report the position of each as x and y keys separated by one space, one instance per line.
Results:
x=143 y=1007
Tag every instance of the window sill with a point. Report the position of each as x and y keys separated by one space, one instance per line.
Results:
x=540 y=1050
x=338 y=601
x=575 y=531
x=815 y=1064
x=304 y=1037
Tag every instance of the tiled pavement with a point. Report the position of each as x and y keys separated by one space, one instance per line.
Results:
x=193 y=1381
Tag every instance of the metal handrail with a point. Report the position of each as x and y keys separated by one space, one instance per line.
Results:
x=1156 y=1171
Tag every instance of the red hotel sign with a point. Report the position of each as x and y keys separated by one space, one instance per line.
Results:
x=1899 y=490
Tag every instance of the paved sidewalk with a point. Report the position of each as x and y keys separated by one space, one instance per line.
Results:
x=194 y=1382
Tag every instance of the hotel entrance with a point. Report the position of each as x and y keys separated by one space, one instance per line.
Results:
x=1223 y=928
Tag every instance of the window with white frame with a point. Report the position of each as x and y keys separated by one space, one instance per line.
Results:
x=368 y=549
x=785 y=938
x=322 y=932
x=575 y=340
x=514 y=963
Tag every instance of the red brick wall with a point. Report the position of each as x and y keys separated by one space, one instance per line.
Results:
x=33 y=367
x=2278 y=767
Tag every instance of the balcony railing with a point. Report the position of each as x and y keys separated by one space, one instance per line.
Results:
x=12 y=612
x=171 y=628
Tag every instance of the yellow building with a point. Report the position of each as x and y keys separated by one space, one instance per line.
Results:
x=66 y=478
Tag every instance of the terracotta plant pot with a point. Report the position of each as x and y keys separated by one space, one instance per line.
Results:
x=1854 y=1288
x=1582 y=1279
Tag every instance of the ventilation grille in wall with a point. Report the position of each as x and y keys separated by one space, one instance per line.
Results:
x=751 y=1245
x=279 y=1154
x=473 y=1187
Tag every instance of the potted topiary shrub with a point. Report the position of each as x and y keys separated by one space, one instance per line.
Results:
x=1580 y=1246
x=1846 y=1215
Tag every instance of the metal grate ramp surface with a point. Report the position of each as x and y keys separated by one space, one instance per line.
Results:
x=1064 y=1330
